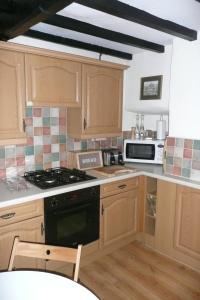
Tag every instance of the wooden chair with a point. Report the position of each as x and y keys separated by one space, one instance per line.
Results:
x=46 y=252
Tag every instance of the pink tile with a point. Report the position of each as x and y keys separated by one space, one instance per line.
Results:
x=188 y=144
x=62 y=130
x=2 y=163
x=47 y=148
x=39 y=159
x=2 y=173
x=62 y=121
x=62 y=148
x=62 y=112
x=38 y=131
x=177 y=171
x=29 y=121
x=20 y=160
x=29 y=141
x=54 y=139
x=10 y=162
x=187 y=153
x=37 y=112
x=171 y=141
x=46 y=130
x=63 y=163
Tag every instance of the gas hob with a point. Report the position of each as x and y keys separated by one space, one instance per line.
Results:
x=55 y=177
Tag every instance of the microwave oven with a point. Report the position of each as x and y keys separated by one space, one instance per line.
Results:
x=144 y=151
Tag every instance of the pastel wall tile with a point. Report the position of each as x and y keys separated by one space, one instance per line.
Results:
x=54 y=121
x=47 y=157
x=55 y=164
x=2 y=163
x=179 y=142
x=38 y=140
x=187 y=153
x=54 y=130
x=29 y=111
x=170 y=151
x=46 y=121
x=55 y=156
x=45 y=112
x=177 y=171
x=37 y=112
x=47 y=140
x=62 y=139
x=47 y=148
x=196 y=164
x=196 y=145
x=188 y=144
x=10 y=151
x=187 y=163
x=170 y=141
x=54 y=112
x=29 y=150
x=46 y=130
x=20 y=160
x=55 y=148
x=37 y=122
x=178 y=151
x=186 y=172
x=177 y=161
x=2 y=153
x=38 y=131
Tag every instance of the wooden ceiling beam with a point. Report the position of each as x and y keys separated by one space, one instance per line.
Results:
x=34 y=14
x=79 y=26
x=130 y=13
x=76 y=44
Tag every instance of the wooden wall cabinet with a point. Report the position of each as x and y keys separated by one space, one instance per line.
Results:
x=177 y=223
x=15 y=222
x=52 y=81
x=119 y=211
x=101 y=111
x=12 y=97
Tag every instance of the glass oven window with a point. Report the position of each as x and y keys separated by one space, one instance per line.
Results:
x=140 y=151
x=71 y=225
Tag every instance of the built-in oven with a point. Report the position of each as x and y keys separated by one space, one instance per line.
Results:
x=72 y=218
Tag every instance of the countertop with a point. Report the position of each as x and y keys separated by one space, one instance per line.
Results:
x=9 y=197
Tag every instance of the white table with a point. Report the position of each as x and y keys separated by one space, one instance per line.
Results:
x=35 y=285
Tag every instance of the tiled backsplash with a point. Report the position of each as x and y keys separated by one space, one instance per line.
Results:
x=183 y=157
x=47 y=143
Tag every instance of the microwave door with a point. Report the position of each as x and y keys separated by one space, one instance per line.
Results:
x=140 y=151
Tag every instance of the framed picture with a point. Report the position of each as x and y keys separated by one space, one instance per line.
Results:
x=151 y=87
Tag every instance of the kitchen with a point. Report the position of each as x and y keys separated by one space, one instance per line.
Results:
x=48 y=144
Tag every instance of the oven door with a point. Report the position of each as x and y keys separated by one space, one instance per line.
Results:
x=78 y=224
x=140 y=152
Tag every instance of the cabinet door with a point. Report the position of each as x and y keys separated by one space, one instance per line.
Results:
x=12 y=95
x=187 y=223
x=52 y=81
x=28 y=230
x=178 y=223
x=102 y=100
x=119 y=216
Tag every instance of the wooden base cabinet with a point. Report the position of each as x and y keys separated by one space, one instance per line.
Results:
x=12 y=97
x=23 y=220
x=178 y=223
x=119 y=216
x=101 y=111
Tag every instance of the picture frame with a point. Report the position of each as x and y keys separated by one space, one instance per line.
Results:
x=151 y=87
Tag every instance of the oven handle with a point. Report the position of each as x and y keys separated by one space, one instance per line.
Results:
x=74 y=208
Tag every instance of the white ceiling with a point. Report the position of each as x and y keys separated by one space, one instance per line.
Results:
x=183 y=12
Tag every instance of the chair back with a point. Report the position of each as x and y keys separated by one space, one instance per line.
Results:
x=46 y=252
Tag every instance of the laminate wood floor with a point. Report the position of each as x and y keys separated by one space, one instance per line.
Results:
x=137 y=273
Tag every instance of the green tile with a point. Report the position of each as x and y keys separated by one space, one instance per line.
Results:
x=38 y=149
x=62 y=139
x=83 y=145
x=29 y=150
x=46 y=112
x=46 y=121
x=196 y=144
x=29 y=111
x=2 y=153
x=169 y=160
x=55 y=156
x=39 y=167
x=54 y=121
x=47 y=157
x=186 y=172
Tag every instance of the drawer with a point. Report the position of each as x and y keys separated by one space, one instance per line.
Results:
x=118 y=187
x=16 y=213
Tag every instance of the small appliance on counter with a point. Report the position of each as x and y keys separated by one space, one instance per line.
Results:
x=112 y=156
x=144 y=151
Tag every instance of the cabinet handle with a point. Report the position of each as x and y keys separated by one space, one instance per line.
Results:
x=24 y=125
x=42 y=229
x=102 y=210
x=84 y=124
x=122 y=186
x=8 y=216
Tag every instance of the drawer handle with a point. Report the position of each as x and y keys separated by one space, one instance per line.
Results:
x=122 y=186
x=7 y=216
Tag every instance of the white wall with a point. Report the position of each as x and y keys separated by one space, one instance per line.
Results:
x=185 y=90
x=143 y=65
